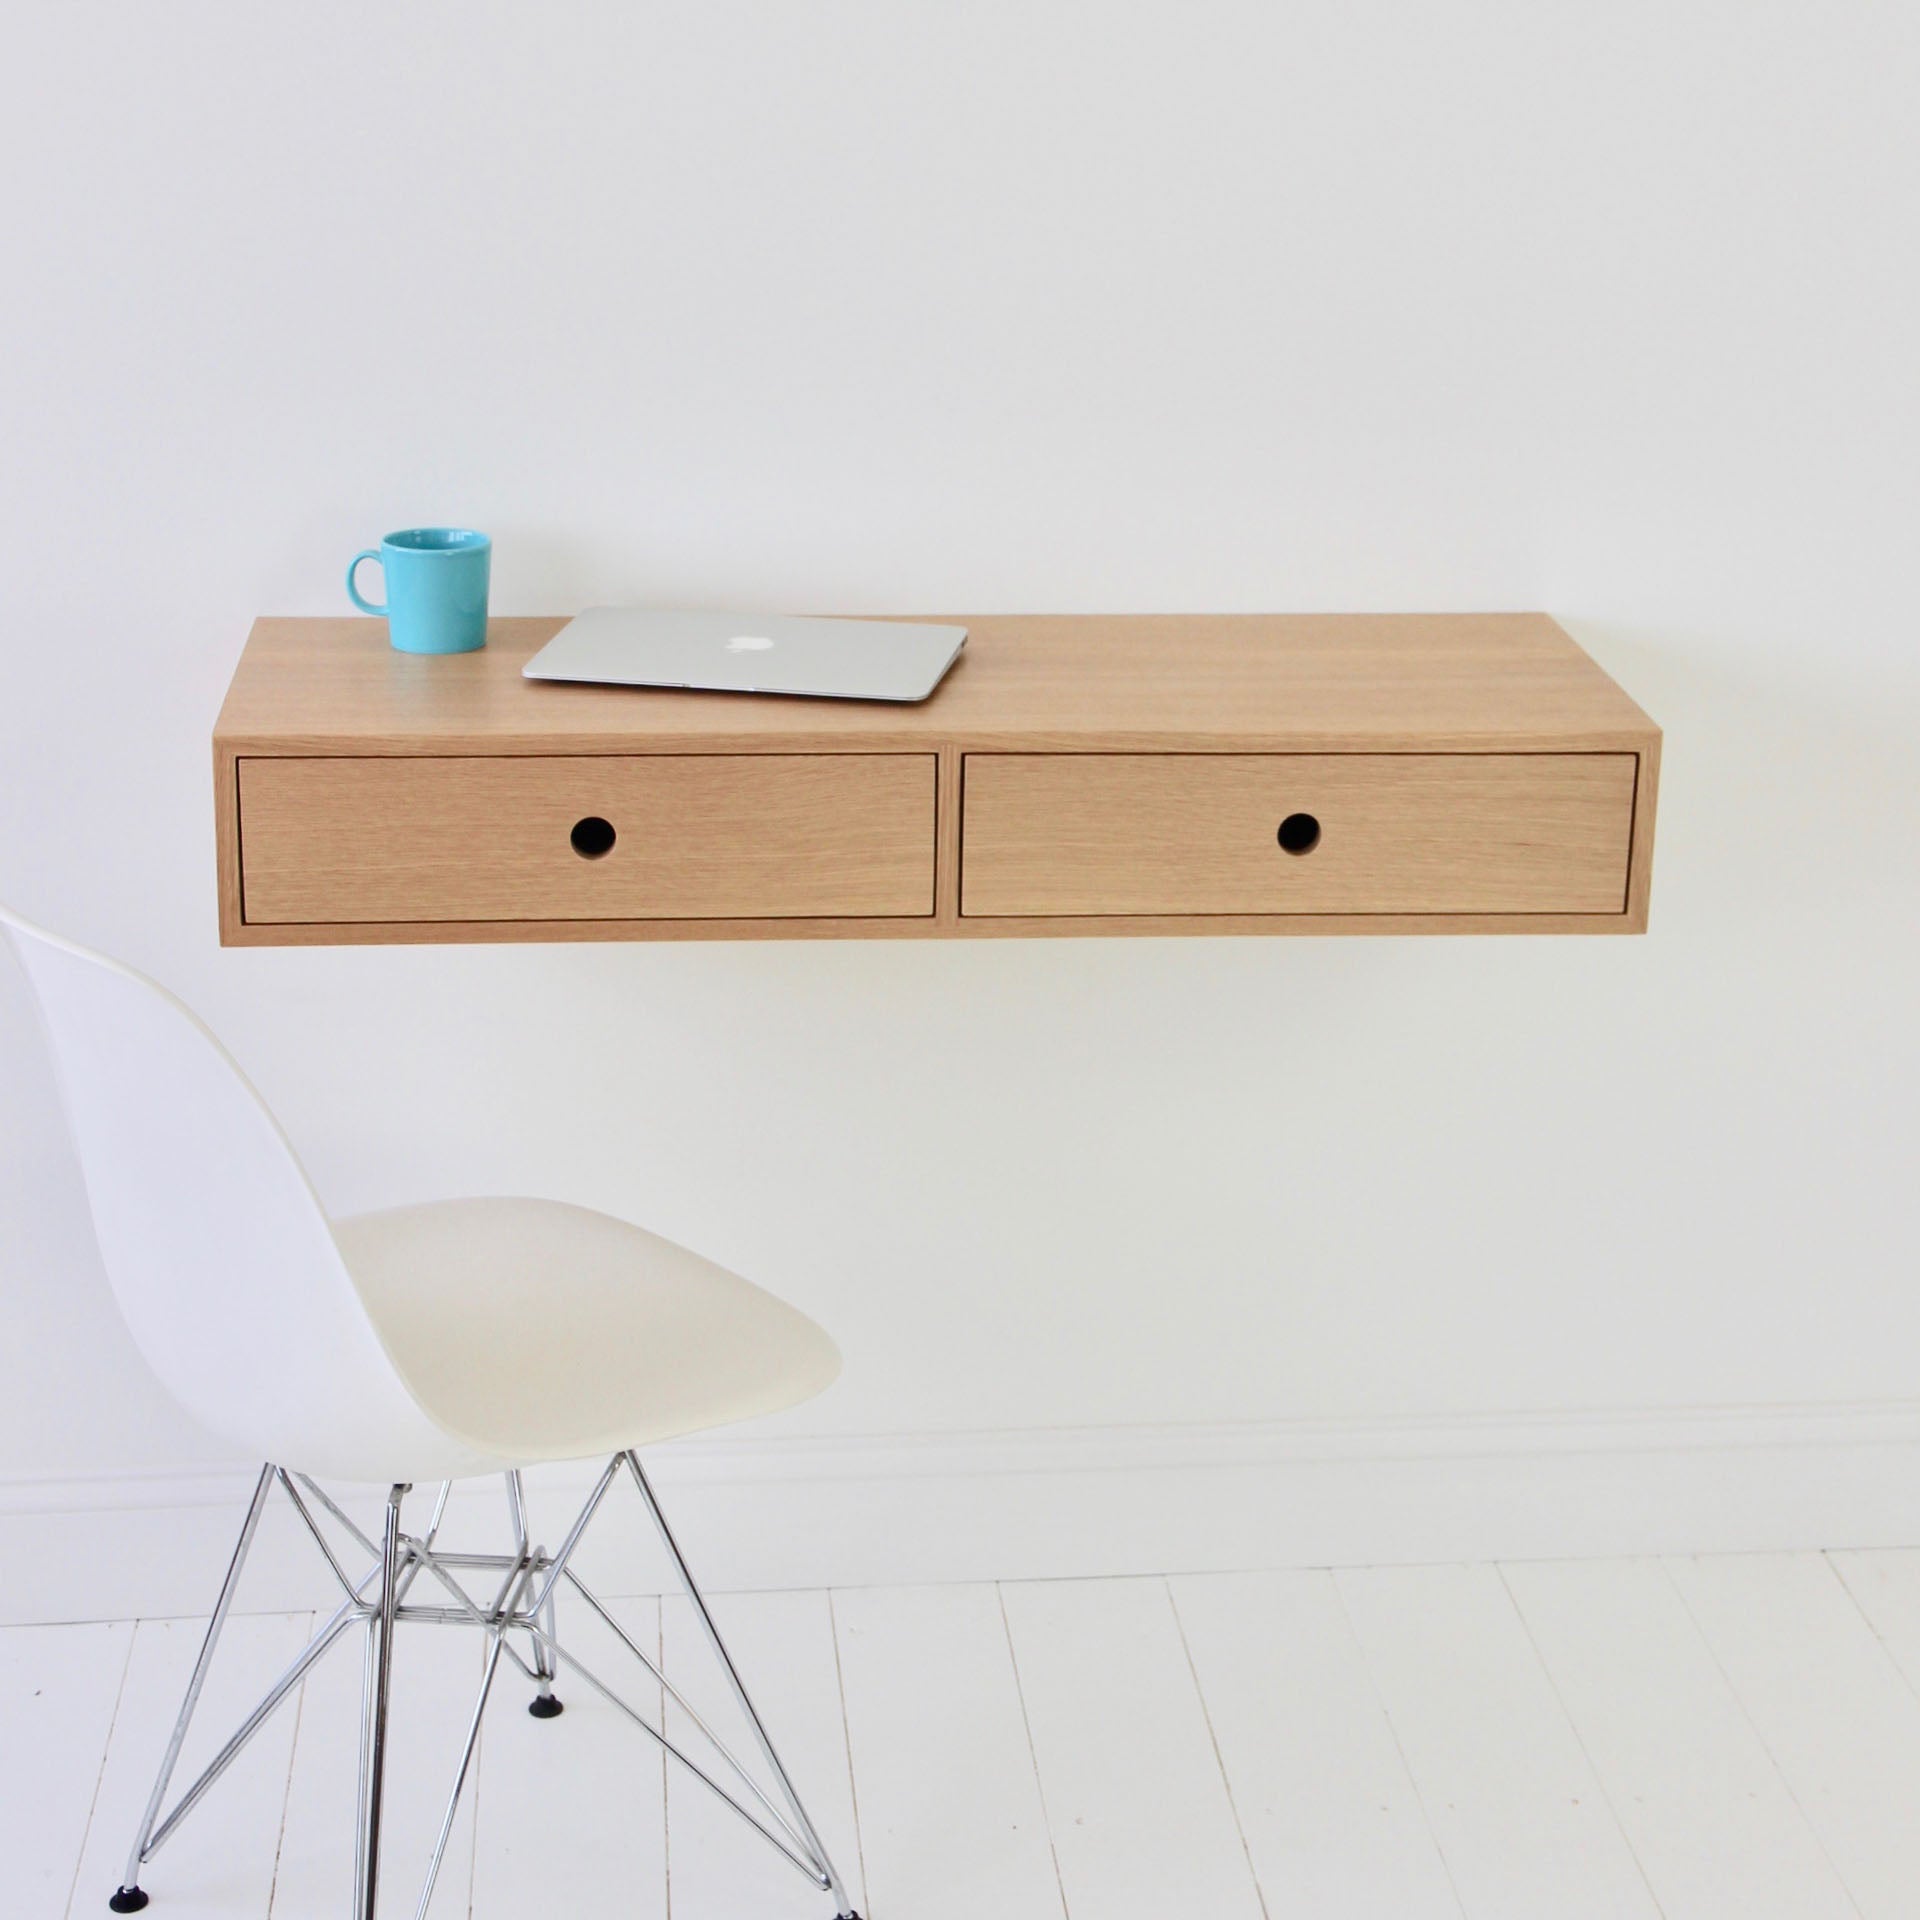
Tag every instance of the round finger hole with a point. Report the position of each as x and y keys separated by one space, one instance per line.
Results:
x=592 y=837
x=1299 y=833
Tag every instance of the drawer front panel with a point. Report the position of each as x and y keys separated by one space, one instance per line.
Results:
x=697 y=837
x=1085 y=834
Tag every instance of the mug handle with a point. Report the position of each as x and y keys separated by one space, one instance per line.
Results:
x=353 y=592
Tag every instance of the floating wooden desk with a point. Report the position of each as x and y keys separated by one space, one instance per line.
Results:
x=1457 y=773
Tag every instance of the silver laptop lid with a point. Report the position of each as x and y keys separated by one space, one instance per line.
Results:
x=750 y=653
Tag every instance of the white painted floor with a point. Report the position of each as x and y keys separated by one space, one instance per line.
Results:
x=1714 y=1739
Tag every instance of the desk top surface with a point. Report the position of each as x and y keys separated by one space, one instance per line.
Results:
x=1223 y=682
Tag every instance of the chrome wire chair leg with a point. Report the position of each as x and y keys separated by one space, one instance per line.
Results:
x=129 y=1898
x=843 y=1905
x=252 y=1724
x=523 y=1601
x=373 y=1717
x=460 y=1777
x=545 y=1704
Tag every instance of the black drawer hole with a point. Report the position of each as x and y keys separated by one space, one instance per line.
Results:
x=1299 y=833
x=592 y=837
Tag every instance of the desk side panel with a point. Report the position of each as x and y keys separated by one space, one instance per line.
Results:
x=226 y=844
x=1640 y=863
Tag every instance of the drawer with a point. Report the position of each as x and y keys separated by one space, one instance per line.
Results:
x=1095 y=833
x=613 y=837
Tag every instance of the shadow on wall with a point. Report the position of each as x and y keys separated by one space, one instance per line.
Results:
x=1784 y=796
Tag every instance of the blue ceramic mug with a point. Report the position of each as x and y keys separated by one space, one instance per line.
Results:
x=436 y=588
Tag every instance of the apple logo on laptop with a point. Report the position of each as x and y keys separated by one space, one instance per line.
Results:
x=749 y=643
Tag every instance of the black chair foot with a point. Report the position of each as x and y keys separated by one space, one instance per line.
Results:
x=127 y=1900
x=544 y=1706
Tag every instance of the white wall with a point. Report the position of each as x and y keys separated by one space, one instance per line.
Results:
x=1610 y=311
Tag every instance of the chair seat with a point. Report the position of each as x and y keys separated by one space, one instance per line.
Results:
x=530 y=1330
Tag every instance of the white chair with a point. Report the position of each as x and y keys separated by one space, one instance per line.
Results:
x=414 y=1346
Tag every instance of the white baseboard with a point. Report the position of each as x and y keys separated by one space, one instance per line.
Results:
x=1067 y=1502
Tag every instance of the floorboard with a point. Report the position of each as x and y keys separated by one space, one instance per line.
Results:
x=1835 y=1711
x=1885 y=1586
x=59 y=1687
x=571 y=1812
x=436 y=1672
x=1729 y=1738
x=1708 y=1816
x=1332 y=1818
x=783 y=1645
x=1521 y=1819
x=1139 y=1812
x=220 y=1862
x=951 y=1824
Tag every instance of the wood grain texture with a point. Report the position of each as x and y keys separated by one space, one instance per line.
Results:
x=429 y=933
x=1646 y=795
x=703 y=835
x=1197 y=833
x=226 y=841
x=1332 y=684
x=947 y=874
x=1248 y=682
